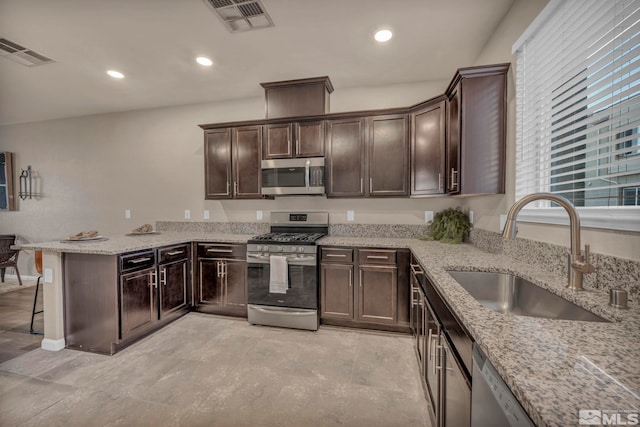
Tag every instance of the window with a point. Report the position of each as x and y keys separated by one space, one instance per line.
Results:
x=578 y=106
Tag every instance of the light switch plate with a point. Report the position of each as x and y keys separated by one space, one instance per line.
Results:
x=428 y=216
x=48 y=275
x=127 y=214
x=471 y=217
x=187 y=214
x=205 y=215
x=503 y=221
x=351 y=216
x=259 y=215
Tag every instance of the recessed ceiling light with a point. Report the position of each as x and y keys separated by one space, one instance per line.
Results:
x=203 y=60
x=383 y=35
x=115 y=74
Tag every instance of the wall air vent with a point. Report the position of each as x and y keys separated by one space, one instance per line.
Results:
x=21 y=54
x=241 y=15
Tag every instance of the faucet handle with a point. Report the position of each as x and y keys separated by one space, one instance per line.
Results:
x=583 y=265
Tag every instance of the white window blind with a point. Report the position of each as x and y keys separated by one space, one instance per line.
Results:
x=578 y=105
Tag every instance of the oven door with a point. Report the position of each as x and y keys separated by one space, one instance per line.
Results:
x=303 y=282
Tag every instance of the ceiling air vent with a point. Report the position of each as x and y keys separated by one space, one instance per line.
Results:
x=21 y=54
x=241 y=15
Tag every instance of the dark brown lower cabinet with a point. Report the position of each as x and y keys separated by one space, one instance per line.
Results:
x=222 y=279
x=174 y=273
x=360 y=288
x=138 y=301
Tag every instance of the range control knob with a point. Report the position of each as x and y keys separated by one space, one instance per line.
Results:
x=258 y=248
x=280 y=248
x=294 y=249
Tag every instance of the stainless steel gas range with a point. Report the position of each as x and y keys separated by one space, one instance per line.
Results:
x=283 y=271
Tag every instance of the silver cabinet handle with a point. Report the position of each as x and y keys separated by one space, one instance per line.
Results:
x=307 y=177
x=235 y=187
x=370 y=185
x=440 y=182
x=454 y=180
x=175 y=253
x=152 y=279
x=350 y=278
x=139 y=260
x=226 y=251
x=415 y=269
x=377 y=257
x=163 y=276
x=360 y=278
x=361 y=185
x=218 y=269
x=429 y=352
x=227 y=193
x=335 y=255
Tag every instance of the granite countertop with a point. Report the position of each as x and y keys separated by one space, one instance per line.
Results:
x=554 y=367
x=119 y=244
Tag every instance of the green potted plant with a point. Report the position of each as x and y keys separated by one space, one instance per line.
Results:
x=450 y=226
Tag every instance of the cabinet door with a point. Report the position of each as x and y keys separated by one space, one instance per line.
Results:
x=428 y=150
x=345 y=158
x=235 y=280
x=388 y=156
x=247 y=154
x=217 y=164
x=138 y=301
x=310 y=139
x=336 y=291
x=377 y=294
x=210 y=282
x=277 y=142
x=173 y=286
x=453 y=141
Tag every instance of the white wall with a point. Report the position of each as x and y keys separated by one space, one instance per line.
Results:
x=487 y=210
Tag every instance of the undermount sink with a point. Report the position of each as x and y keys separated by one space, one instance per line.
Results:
x=507 y=293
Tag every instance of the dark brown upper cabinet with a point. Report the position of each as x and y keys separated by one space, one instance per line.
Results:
x=428 y=149
x=302 y=97
x=289 y=140
x=476 y=143
x=387 y=156
x=345 y=157
x=232 y=163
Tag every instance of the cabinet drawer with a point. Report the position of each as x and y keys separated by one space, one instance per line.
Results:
x=221 y=250
x=173 y=253
x=137 y=261
x=337 y=255
x=376 y=256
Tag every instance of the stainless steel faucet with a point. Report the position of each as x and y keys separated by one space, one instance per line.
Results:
x=578 y=264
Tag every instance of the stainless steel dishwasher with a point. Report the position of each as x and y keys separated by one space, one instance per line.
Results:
x=492 y=403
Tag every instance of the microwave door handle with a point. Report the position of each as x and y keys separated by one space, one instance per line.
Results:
x=307 y=171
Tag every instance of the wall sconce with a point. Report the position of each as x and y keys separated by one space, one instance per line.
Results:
x=25 y=184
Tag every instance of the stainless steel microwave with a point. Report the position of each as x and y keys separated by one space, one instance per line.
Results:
x=293 y=176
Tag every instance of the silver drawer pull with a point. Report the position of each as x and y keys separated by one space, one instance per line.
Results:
x=335 y=256
x=415 y=269
x=228 y=251
x=175 y=253
x=139 y=260
x=377 y=257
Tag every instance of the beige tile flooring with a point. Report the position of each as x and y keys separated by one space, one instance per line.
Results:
x=206 y=370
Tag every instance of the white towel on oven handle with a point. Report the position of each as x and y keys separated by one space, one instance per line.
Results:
x=279 y=274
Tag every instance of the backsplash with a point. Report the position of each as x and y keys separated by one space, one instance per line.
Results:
x=610 y=271
x=398 y=231
x=214 y=227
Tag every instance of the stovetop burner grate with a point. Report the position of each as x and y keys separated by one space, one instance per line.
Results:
x=288 y=237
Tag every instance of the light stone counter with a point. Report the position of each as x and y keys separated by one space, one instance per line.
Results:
x=554 y=367
x=119 y=244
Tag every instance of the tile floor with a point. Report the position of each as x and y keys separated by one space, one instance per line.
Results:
x=213 y=371
x=15 y=316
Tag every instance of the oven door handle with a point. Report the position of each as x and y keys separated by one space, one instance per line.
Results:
x=291 y=260
x=307 y=174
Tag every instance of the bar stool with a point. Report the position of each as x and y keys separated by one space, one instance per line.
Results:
x=38 y=258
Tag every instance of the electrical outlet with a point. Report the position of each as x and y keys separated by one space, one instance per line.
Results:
x=471 y=217
x=206 y=214
x=127 y=214
x=503 y=221
x=48 y=275
x=187 y=214
x=351 y=216
x=428 y=216
x=259 y=215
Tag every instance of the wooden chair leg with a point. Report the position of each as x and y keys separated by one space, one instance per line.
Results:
x=18 y=274
x=2 y=269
